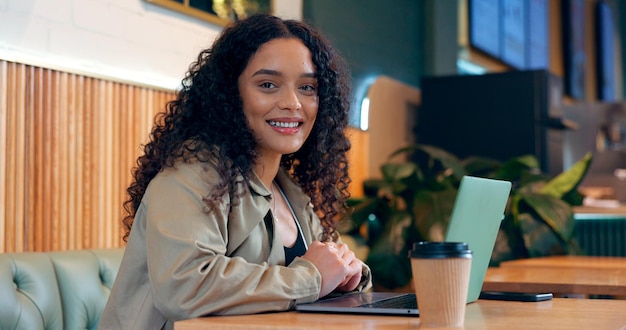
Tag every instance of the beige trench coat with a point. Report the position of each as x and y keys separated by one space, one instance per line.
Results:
x=181 y=262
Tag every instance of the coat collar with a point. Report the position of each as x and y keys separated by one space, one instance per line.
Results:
x=295 y=195
x=253 y=214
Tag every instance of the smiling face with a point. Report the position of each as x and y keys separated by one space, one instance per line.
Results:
x=279 y=92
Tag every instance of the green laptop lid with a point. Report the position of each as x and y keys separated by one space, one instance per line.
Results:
x=476 y=216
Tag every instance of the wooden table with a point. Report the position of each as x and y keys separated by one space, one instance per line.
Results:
x=558 y=313
x=580 y=262
x=558 y=280
x=585 y=212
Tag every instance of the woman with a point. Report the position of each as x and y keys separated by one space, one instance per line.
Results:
x=235 y=200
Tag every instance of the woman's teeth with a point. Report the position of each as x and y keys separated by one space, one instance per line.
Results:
x=292 y=124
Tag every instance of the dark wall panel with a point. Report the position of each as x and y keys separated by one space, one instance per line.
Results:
x=375 y=37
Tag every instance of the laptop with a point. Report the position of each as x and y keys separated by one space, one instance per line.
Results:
x=476 y=216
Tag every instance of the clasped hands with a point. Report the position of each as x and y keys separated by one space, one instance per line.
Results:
x=340 y=268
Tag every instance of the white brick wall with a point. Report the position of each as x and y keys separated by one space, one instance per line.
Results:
x=127 y=40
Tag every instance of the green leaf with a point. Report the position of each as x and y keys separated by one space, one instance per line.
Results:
x=397 y=171
x=447 y=160
x=395 y=233
x=430 y=208
x=480 y=166
x=574 y=198
x=554 y=212
x=569 y=179
x=529 y=161
x=388 y=257
x=389 y=271
x=371 y=186
x=359 y=212
x=510 y=242
x=539 y=239
x=515 y=168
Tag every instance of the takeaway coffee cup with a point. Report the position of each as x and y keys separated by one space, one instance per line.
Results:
x=441 y=272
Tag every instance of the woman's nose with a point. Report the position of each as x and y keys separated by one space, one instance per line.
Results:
x=289 y=100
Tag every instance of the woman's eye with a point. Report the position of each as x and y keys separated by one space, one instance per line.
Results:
x=267 y=85
x=308 y=88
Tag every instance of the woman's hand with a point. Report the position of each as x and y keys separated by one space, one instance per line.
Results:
x=339 y=267
x=352 y=280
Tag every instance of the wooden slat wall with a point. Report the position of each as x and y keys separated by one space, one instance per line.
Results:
x=67 y=144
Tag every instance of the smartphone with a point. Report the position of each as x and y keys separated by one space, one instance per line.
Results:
x=515 y=296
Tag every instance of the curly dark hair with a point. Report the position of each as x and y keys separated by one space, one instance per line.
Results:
x=205 y=120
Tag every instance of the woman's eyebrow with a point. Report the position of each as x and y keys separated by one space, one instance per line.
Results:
x=279 y=74
x=267 y=71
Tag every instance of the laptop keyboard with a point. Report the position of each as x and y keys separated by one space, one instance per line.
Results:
x=406 y=301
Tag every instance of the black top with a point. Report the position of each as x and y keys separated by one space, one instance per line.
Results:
x=297 y=250
x=299 y=247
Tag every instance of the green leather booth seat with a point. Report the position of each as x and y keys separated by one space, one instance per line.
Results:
x=56 y=290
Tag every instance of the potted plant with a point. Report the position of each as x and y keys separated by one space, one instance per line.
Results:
x=413 y=202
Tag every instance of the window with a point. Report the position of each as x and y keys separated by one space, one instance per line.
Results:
x=218 y=12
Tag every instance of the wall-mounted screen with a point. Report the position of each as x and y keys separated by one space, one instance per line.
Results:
x=514 y=32
x=537 y=50
x=606 y=53
x=484 y=26
x=574 y=55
